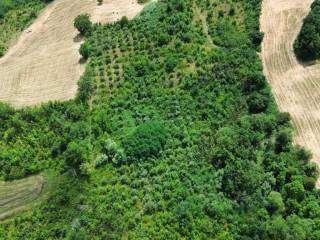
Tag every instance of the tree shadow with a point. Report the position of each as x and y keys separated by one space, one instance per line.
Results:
x=307 y=63
x=78 y=38
x=82 y=61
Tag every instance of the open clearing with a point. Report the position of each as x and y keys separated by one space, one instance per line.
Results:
x=296 y=87
x=19 y=195
x=45 y=64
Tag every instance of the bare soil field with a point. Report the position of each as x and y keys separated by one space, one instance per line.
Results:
x=45 y=64
x=295 y=86
x=19 y=195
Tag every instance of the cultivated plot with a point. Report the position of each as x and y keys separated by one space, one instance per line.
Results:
x=19 y=195
x=296 y=87
x=45 y=64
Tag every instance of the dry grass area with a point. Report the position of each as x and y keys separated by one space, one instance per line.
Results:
x=45 y=64
x=203 y=18
x=295 y=86
x=19 y=195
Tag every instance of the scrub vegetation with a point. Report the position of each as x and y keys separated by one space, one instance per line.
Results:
x=174 y=134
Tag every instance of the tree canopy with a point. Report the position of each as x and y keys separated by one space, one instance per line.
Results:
x=307 y=45
x=83 y=24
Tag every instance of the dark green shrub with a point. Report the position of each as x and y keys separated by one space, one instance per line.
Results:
x=171 y=63
x=283 y=140
x=77 y=154
x=2 y=51
x=85 y=87
x=307 y=45
x=124 y=21
x=295 y=190
x=258 y=102
x=146 y=141
x=275 y=202
x=83 y=24
x=84 y=51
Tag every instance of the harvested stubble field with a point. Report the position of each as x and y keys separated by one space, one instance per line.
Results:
x=295 y=86
x=44 y=64
x=19 y=195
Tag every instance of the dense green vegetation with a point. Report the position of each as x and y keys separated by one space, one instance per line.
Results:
x=307 y=45
x=169 y=137
x=83 y=24
x=15 y=15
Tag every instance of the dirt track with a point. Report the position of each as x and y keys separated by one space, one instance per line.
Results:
x=44 y=64
x=296 y=87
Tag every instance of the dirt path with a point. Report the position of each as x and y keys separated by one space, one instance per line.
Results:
x=205 y=27
x=19 y=195
x=296 y=87
x=44 y=64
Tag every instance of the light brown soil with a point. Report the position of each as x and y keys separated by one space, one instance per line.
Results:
x=296 y=87
x=44 y=64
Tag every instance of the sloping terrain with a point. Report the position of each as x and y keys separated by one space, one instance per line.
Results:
x=45 y=64
x=168 y=137
x=18 y=195
x=296 y=87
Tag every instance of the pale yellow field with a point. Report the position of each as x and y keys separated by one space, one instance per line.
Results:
x=296 y=87
x=44 y=64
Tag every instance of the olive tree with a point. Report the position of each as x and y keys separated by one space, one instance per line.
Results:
x=83 y=24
